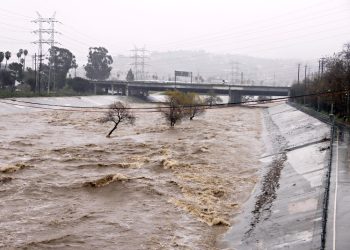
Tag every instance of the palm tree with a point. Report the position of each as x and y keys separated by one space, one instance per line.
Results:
x=7 y=57
x=2 y=56
x=19 y=56
x=25 y=53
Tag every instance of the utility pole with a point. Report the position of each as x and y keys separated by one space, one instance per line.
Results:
x=347 y=105
x=33 y=61
x=50 y=31
x=320 y=67
x=298 y=73
x=36 y=83
x=305 y=84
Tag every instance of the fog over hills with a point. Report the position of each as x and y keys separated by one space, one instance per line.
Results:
x=212 y=67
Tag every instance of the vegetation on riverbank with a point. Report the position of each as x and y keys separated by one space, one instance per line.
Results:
x=329 y=90
x=53 y=77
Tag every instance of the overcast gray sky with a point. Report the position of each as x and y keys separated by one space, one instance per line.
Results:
x=264 y=28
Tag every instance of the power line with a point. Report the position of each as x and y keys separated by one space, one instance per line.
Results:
x=312 y=7
x=156 y=109
x=78 y=32
x=185 y=58
x=238 y=34
x=85 y=43
x=7 y=12
x=89 y=38
x=12 y=39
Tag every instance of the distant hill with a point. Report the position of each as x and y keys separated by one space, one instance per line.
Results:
x=212 y=67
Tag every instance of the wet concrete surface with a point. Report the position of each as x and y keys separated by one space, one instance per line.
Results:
x=339 y=198
x=293 y=219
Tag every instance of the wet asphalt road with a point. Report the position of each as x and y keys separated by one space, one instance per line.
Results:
x=338 y=236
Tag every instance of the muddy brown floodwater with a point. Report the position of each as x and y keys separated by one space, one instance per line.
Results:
x=64 y=184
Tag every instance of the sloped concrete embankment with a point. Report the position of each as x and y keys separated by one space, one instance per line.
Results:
x=285 y=211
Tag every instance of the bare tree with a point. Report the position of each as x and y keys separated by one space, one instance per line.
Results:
x=194 y=105
x=196 y=110
x=212 y=99
x=174 y=112
x=118 y=113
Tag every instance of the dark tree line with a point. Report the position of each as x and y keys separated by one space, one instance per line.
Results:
x=53 y=73
x=334 y=80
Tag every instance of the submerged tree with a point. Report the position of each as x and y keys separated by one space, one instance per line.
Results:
x=212 y=98
x=182 y=105
x=179 y=106
x=193 y=105
x=118 y=113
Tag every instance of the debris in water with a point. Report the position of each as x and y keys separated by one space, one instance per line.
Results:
x=201 y=150
x=106 y=180
x=324 y=148
x=168 y=164
x=220 y=222
x=13 y=168
x=172 y=164
x=5 y=179
x=202 y=212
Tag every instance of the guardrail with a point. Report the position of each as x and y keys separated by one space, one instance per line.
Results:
x=334 y=124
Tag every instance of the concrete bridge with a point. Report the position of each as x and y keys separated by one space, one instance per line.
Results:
x=235 y=92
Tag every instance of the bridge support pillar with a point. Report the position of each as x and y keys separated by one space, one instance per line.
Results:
x=125 y=91
x=95 y=88
x=112 y=89
x=235 y=97
x=138 y=92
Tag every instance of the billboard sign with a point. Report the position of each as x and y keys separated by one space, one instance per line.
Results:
x=183 y=73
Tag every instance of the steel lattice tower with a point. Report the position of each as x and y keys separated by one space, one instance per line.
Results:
x=46 y=35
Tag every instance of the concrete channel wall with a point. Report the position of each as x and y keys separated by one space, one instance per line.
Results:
x=286 y=210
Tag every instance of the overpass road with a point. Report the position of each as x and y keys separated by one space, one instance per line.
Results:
x=235 y=92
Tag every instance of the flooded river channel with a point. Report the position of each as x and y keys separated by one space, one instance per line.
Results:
x=64 y=184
